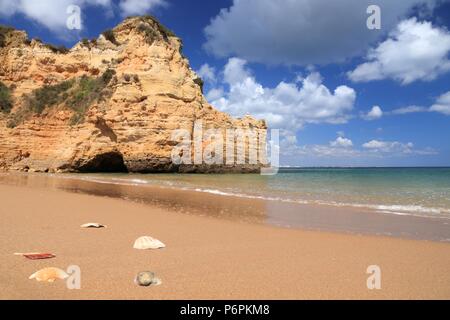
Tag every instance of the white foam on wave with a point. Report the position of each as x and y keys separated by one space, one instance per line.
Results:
x=403 y=210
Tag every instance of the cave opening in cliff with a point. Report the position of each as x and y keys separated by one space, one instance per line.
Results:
x=105 y=162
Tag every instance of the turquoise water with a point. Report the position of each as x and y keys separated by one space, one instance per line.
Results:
x=401 y=191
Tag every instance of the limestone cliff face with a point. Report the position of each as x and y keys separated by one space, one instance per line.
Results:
x=123 y=121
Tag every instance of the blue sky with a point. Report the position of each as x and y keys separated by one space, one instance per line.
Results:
x=341 y=94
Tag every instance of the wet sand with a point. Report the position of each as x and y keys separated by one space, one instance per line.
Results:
x=254 y=210
x=206 y=257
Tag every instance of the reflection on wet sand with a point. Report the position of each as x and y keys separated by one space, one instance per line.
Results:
x=190 y=202
x=277 y=213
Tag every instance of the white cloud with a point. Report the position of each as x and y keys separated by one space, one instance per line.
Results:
x=8 y=8
x=442 y=104
x=409 y=109
x=342 y=142
x=300 y=32
x=49 y=13
x=287 y=106
x=389 y=146
x=214 y=94
x=414 y=51
x=132 y=7
x=207 y=73
x=53 y=13
x=374 y=113
x=235 y=71
x=371 y=150
x=396 y=148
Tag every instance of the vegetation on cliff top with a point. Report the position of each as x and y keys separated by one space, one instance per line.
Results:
x=109 y=35
x=76 y=94
x=5 y=98
x=4 y=30
x=149 y=32
x=55 y=49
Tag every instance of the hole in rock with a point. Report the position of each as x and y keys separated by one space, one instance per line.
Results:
x=106 y=162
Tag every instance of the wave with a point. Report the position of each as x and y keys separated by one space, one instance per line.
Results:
x=396 y=209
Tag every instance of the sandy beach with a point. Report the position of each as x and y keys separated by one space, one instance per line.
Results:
x=205 y=257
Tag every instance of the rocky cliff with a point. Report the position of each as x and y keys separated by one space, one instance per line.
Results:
x=108 y=104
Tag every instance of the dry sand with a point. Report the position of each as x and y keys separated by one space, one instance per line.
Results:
x=205 y=258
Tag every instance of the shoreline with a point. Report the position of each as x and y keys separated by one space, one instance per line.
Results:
x=291 y=215
x=205 y=257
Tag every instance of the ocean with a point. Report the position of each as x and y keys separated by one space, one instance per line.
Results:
x=421 y=192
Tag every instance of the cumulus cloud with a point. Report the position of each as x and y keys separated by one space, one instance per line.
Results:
x=49 y=13
x=396 y=148
x=389 y=146
x=207 y=73
x=414 y=51
x=130 y=7
x=53 y=13
x=300 y=32
x=287 y=106
x=214 y=94
x=442 y=104
x=348 y=153
x=374 y=113
x=342 y=142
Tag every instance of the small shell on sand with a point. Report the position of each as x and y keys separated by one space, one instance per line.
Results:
x=49 y=274
x=39 y=256
x=147 y=242
x=93 y=225
x=35 y=255
x=147 y=278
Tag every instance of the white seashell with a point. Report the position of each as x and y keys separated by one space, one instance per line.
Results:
x=93 y=225
x=49 y=274
x=24 y=253
x=146 y=242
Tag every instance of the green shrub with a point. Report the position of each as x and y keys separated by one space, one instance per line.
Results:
x=87 y=91
x=149 y=33
x=76 y=94
x=166 y=32
x=17 y=117
x=107 y=76
x=57 y=49
x=199 y=81
x=109 y=35
x=5 y=99
x=4 y=30
x=48 y=96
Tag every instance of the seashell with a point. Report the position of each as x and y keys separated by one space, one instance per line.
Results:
x=39 y=256
x=93 y=225
x=23 y=254
x=147 y=242
x=147 y=278
x=49 y=274
x=36 y=255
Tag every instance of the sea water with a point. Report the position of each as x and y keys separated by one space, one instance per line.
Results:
x=401 y=191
